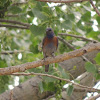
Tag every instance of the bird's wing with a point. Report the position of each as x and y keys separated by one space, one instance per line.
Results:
x=45 y=42
x=55 y=39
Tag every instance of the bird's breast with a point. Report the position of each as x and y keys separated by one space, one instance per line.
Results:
x=49 y=48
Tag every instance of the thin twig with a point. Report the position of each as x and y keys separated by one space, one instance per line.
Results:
x=55 y=77
x=12 y=15
x=94 y=97
x=62 y=1
x=72 y=47
x=66 y=43
x=76 y=36
x=11 y=52
x=15 y=22
x=13 y=26
x=19 y=3
x=49 y=60
x=48 y=98
x=11 y=95
x=95 y=8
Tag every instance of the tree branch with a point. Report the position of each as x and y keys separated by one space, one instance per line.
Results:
x=49 y=60
x=11 y=52
x=62 y=1
x=94 y=97
x=66 y=43
x=97 y=11
x=72 y=47
x=15 y=22
x=86 y=88
x=12 y=15
x=19 y=3
x=76 y=36
x=13 y=26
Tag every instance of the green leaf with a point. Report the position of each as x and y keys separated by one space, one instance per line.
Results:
x=34 y=48
x=41 y=87
x=15 y=9
x=67 y=24
x=3 y=63
x=60 y=68
x=39 y=14
x=63 y=73
x=97 y=59
x=71 y=17
x=90 y=67
x=49 y=79
x=4 y=80
x=37 y=30
x=97 y=76
x=74 y=67
x=87 y=8
x=69 y=90
x=40 y=5
x=85 y=18
x=2 y=2
x=98 y=20
x=47 y=10
x=49 y=86
x=93 y=34
x=30 y=13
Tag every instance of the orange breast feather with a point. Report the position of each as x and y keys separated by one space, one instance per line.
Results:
x=46 y=41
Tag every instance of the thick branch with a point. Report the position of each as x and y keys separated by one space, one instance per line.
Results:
x=15 y=22
x=13 y=26
x=97 y=11
x=28 y=90
x=76 y=36
x=62 y=1
x=86 y=88
x=49 y=60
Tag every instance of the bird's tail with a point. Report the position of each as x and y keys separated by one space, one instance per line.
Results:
x=46 y=68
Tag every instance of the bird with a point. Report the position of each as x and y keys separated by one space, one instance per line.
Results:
x=49 y=45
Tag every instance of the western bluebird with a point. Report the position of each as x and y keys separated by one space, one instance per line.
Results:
x=49 y=45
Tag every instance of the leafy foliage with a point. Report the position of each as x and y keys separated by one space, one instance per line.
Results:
x=4 y=80
x=97 y=59
x=4 y=4
x=90 y=67
x=69 y=90
x=73 y=19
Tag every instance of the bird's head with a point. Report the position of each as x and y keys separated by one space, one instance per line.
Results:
x=49 y=33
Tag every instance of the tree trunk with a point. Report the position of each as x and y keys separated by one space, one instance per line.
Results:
x=79 y=62
x=27 y=91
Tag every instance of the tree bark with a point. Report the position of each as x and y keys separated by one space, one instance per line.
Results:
x=66 y=56
x=86 y=79
x=29 y=90
x=79 y=62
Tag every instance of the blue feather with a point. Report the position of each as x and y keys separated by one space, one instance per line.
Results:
x=50 y=36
